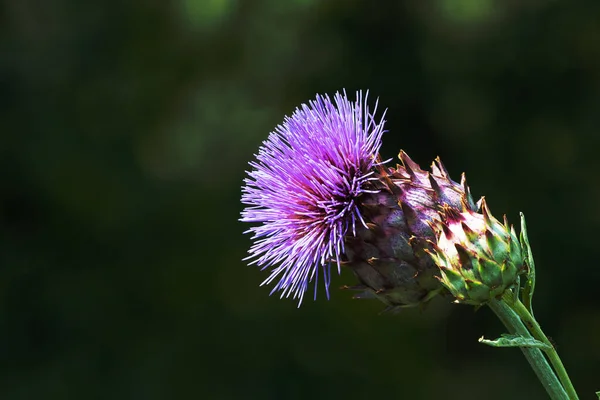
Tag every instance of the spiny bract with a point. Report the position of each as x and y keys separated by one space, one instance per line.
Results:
x=479 y=257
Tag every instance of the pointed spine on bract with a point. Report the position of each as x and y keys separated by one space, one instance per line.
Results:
x=478 y=256
x=388 y=254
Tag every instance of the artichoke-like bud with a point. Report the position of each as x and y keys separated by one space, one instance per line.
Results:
x=479 y=257
x=387 y=252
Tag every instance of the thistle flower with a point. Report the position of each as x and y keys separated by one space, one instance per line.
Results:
x=303 y=190
x=388 y=256
x=479 y=257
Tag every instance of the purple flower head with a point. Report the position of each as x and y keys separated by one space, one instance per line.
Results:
x=303 y=189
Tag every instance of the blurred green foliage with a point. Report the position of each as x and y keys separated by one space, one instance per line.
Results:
x=127 y=127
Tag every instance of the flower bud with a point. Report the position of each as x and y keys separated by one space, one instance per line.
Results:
x=388 y=252
x=479 y=258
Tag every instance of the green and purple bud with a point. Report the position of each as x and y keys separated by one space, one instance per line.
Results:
x=478 y=256
x=388 y=254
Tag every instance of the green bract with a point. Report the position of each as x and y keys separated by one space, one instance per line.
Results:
x=479 y=257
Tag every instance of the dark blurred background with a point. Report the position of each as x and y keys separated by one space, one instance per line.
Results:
x=126 y=130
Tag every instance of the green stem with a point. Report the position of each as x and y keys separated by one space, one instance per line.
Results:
x=536 y=358
x=538 y=334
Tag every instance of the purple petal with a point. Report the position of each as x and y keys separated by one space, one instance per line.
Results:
x=303 y=187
